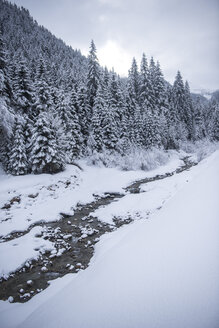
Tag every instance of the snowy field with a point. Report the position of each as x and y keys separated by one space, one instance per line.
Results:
x=158 y=273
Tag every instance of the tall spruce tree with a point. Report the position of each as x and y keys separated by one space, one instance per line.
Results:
x=6 y=115
x=75 y=137
x=145 y=87
x=18 y=164
x=93 y=74
x=199 y=123
x=109 y=130
x=47 y=155
x=179 y=102
x=43 y=98
x=96 y=132
x=213 y=126
x=159 y=90
x=189 y=112
x=134 y=83
x=23 y=89
x=84 y=114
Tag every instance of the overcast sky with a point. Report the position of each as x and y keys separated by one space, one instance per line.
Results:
x=182 y=34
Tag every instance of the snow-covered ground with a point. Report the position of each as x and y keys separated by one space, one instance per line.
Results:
x=162 y=272
x=152 y=197
x=41 y=198
x=15 y=253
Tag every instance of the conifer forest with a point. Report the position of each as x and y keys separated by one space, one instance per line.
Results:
x=56 y=105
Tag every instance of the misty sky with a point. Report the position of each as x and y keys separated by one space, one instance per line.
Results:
x=182 y=34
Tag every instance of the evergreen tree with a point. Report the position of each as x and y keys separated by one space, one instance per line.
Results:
x=137 y=137
x=74 y=134
x=84 y=114
x=114 y=99
x=18 y=164
x=110 y=136
x=214 y=122
x=6 y=117
x=96 y=133
x=189 y=111
x=47 y=155
x=23 y=89
x=134 y=83
x=151 y=130
x=179 y=102
x=93 y=74
x=152 y=79
x=43 y=99
x=123 y=144
x=178 y=94
x=145 y=84
x=159 y=90
x=199 y=123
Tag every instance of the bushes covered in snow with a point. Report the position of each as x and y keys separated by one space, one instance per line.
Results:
x=200 y=149
x=136 y=159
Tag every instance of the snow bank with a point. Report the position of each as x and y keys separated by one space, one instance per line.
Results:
x=159 y=273
x=152 y=197
x=15 y=253
x=39 y=198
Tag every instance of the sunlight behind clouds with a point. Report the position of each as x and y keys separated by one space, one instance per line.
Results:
x=113 y=56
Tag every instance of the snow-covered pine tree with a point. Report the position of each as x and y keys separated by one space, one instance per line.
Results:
x=178 y=94
x=189 y=112
x=159 y=90
x=75 y=137
x=152 y=79
x=6 y=116
x=24 y=97
x=96 y=132
x=84 y=113
x=122 y=120
x=93 y=74
x=123 y=144
x=23 y=89
x=115 y=100
x=137 y=136
x=106 y=77
x=199 y=122
x=47 y=153
x=43 y=99
x=213 y=126
x=109 y=129
x=145 y=88
x=17 y=163
x=133 y=86
x=171 y=120
x=151 y=130
x=179 y=102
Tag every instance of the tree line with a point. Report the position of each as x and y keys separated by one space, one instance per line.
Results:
x=57 y=107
